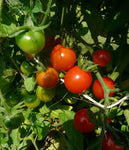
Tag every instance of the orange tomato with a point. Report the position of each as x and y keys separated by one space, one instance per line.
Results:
x=48 y=79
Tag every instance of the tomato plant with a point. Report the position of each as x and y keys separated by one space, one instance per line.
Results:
x=82 y=122
x=48 y=75
x=31 y=101
x=98 y=89
x=31 y=42
x=48 y=78
x=76 y=80
x=108 y=143
x=14 y=121
x=26 y=68
x=62 y=58
x=101 y=57
x=44 y=94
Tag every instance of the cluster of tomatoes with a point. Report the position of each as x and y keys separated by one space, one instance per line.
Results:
x=76 y=80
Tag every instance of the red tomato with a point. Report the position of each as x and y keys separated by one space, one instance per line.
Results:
x=48 y=79
x=98 y=89
x=109 y=144
x=77 y=80
x=82 y=122
x=102 y=58
x=62 y=58
x=51 y=42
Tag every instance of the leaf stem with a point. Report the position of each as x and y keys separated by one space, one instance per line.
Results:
x=1 y=6
x=47 y=13
x=3 y=102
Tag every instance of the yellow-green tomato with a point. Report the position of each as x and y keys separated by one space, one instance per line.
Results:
x=31 y=42
x=31 y=101
x=26 y=68
x=44 y=94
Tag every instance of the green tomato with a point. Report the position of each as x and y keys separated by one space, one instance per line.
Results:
x=14 y=121
x=44 y=94
x=26 y=68
x=31 y=101
x=11 y=99
x=31 y=42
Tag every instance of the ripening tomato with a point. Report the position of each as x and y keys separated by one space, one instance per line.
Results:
x=77 y=80
x=109 y=144
x=62 y=58
x=31 y=42
x=44 y=94
x=101 y=57
x=82 y=122
x=48 y=79
x=98 y=89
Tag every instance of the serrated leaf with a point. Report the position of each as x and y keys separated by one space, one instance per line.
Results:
x=6 y=30
x=44 y=110
x=15 y=137
x=38 y=7
x=59 y=108
x=29 y=84
x=126 y=114
x=42 y=129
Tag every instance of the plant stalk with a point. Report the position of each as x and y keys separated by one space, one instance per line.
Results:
x=1 y=6
x=47 y=13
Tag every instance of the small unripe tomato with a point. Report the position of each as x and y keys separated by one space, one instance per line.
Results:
x=31 y=42
x=26 y=68
x=98 y=89
x=48 y=79
x=82 y=122
x=45 y=95
x=101 y=57
x=31 y=101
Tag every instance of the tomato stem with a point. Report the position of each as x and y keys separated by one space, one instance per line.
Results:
x=1 y=6
x=34 y=142
x=106 y=91
x=47 y=13
x=3 y=102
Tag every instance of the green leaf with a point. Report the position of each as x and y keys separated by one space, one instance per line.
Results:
x=29 y=84
x=6 y=30
x=75 y=138
x=126 y=114
x=59 y=109
x=42 y=129
x=38 y=7
x=15 y=137
x=44 y=110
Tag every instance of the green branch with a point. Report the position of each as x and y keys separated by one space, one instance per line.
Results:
x=47 y=13
x=1 y=5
